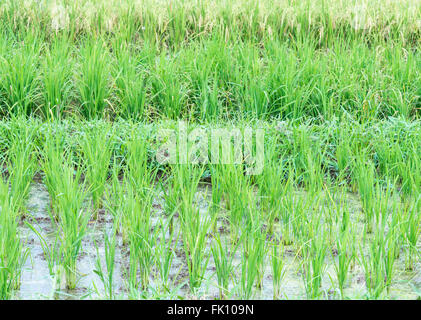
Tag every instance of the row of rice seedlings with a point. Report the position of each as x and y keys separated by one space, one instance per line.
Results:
x=68 y=193
x=408 y=228
x=12 y=250
x=130 y=203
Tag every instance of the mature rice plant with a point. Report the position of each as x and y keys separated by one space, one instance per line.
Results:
x=57 y=87
x=130 y=81
x=19 y=81
x=93 y=79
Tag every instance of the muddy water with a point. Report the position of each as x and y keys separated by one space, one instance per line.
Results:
x=38 y=284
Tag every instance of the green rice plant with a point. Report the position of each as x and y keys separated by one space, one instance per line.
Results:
x=96 y=149
x=140 y=175
x=72 y=217
x=252 y=261
x=278 y=268
x=346 y=254
x=272 y=190
x=308 y=160
x=389 y=257
x=314 y=253
x=366 y=187
x=57 y=79
x=216 y=194
x=22 y=163
x=395 y=227
x=305 y=218
x=208 y=93
x=382 y=197
x=239 y=197
x=372 y=261
x=137 y=227
x=107 y=276
x=165 y=254
x=51 y=251
x=52 y=159
x=68 y=193
x=131 y=87
x=195 y=227
x=194 y=224
x=343 y=153
x=12 y=250
x=223 y=253
x=168 y=89
x=286 y=211
x=180 y=185
x=172 y=199
x=92 y=80
x=411 y=221
x=19 y=81
x=409 y=170
x=115 y=197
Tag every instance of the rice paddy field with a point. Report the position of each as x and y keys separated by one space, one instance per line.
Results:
x=329 y=91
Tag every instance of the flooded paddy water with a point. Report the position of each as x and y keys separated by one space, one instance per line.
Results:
x=36 y=282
